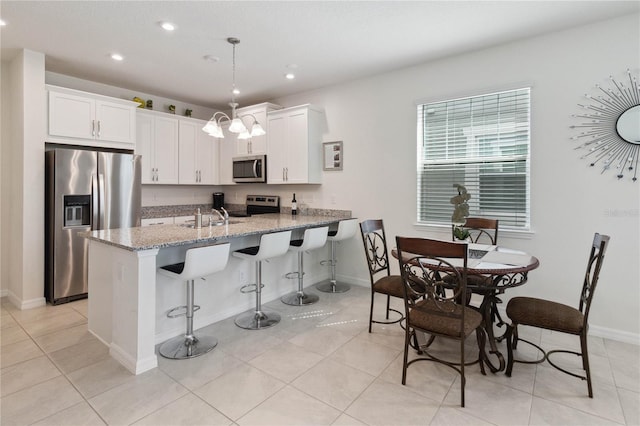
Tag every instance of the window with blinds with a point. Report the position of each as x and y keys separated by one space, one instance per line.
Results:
x=482 y=143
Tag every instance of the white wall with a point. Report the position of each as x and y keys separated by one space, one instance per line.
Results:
x=5 y=119
x=376 y=120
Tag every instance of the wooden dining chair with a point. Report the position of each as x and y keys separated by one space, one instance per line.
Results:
x=481 y=230
x=382 y=281
x=558 y=317
x=428 y=309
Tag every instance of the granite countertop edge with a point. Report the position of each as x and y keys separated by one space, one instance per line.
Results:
x=164 y=236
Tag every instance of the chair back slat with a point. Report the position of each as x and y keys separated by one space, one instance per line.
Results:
x=481 y=230
x=375 y=247
x=596 y=257
x=435 y=277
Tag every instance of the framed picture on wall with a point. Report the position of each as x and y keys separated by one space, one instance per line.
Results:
x=333 y=155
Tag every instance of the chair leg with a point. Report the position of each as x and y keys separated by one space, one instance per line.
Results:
x=371 y=310
x=388 y=305
x=510 y=347
x=585 y=361
x=407 y=337
x=462 y=378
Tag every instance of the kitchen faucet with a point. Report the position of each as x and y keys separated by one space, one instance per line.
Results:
x=224 y=217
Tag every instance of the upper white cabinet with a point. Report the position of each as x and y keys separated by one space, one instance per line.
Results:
x=294 y=152
x=256 y=144
x=198 y=154
x=226 y=152
x=157 y=142
x=77 y=117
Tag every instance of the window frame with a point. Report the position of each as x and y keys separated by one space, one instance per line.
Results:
x=523 y=158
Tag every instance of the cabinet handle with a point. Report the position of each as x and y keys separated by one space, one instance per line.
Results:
x=287 y=173
x=98 y=128
x=155 y=175
x=283 y=173
x=93 y=127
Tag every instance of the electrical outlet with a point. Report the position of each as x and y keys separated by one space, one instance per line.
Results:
x=241 y=276
x=333 y=198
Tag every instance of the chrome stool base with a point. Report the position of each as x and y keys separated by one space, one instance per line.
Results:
x=183 y=347
x=333 y=287
x=257 y=320
x=299 y=299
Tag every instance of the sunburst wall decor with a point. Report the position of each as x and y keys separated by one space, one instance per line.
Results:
x=611 y=132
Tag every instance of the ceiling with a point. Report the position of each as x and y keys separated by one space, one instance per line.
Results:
x=328 y=41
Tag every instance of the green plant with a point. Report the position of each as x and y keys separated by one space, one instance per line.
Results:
x=461 y=233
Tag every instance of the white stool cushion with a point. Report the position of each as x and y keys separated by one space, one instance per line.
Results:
x=346 y=229
x=313 y=238
x=200 y=262
x=271 y=245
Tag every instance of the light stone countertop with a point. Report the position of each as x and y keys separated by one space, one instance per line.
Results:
x=161 y=236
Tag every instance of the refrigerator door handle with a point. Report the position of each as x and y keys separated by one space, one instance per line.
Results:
x=101 y=200
x=95 y=205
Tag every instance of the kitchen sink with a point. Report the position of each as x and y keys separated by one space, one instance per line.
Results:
x=190 y=224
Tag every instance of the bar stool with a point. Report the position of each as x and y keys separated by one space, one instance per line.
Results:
x=313 y=238
x=198 y=263
x=346 y=229
x=271 y=245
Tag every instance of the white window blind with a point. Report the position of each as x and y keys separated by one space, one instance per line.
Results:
x=481 y=142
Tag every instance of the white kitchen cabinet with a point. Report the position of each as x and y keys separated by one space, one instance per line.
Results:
x=256 y=144
x=82 y=118
x=198 y=158
x=294 y=152
x=157 y=142
x=226 y=152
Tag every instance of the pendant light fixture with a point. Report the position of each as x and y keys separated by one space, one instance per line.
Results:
x=213 y=127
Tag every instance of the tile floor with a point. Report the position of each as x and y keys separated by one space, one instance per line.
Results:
x=318 y=366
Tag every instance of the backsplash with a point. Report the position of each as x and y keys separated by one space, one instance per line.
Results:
x=150 y=212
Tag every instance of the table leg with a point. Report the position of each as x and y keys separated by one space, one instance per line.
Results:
x=487 y=310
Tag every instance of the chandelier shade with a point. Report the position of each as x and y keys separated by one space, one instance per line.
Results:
x=236 y=125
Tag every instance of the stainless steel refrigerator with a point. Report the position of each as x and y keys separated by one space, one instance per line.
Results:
x=84 y=190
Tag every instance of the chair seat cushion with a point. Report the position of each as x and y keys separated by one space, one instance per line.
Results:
x=423 y=318
x=545 y=314
x=391 y=285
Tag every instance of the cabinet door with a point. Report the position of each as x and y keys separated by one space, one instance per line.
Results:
x=188 y=172
x=115 y=122
x=226 y=152
x=257 y=144
x=277 y=155
x=166 y=150
x=207 y=157
x=297 y=147
x=144 y=146
x=71 y=116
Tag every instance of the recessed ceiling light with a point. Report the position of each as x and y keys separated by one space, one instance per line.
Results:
x=167 y=26
x=117 y=57
x=211 y=58
x=2 y=23
x=235 y=91
x=289 y=76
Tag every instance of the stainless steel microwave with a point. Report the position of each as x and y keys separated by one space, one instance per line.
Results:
x=250 y=168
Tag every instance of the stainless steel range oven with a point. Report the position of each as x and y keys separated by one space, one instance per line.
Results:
x=259 y=204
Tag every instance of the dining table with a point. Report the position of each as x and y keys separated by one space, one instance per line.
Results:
x=503 y=268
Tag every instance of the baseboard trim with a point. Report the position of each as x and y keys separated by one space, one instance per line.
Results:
x=26 y=304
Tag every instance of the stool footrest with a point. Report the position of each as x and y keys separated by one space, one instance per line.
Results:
x=293 y=275
x=329 y=262
x=172 y=312
x=250 y=288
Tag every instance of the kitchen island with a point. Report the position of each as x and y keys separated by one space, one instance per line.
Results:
x=128 y=299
